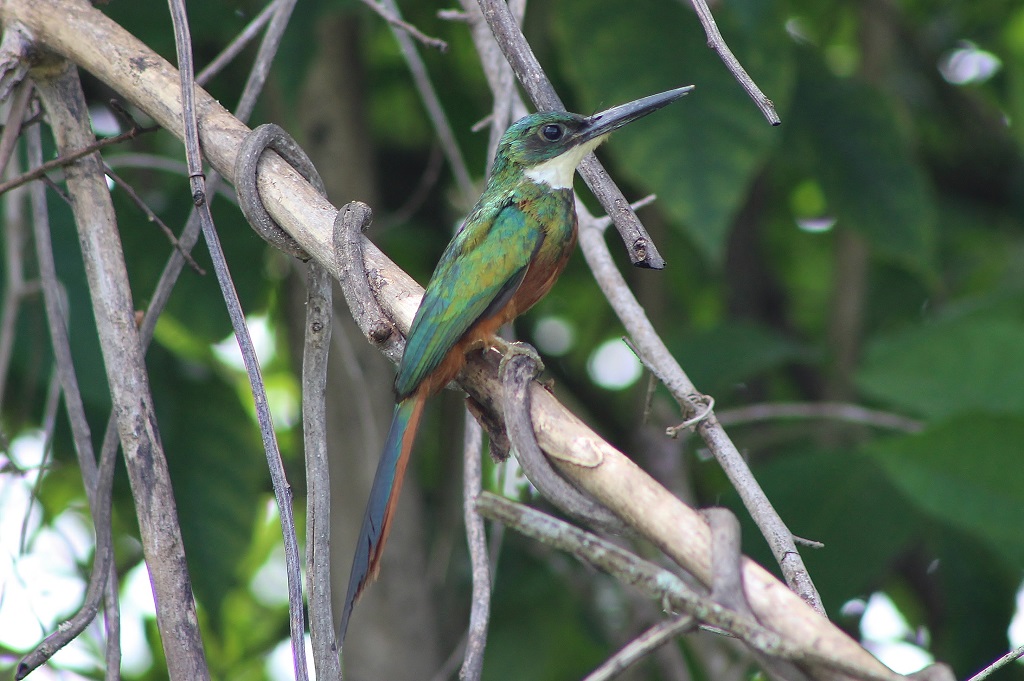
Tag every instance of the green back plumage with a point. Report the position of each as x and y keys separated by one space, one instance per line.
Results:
x=484 y=264
x=492 y=253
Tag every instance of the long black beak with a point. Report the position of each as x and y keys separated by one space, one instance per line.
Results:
x=609 y=120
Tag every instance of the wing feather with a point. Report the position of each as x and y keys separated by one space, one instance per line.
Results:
x=479 y=272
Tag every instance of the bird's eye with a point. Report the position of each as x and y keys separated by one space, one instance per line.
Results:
x=552 y=132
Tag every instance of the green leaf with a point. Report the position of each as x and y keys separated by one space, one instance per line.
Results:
x=700 y=155
x=965 y=364
x=966 y=472
x=871 y=180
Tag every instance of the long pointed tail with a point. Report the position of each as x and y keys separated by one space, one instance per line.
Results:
x=387 y=484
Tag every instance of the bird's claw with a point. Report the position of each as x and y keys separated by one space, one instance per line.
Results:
x=519 y=348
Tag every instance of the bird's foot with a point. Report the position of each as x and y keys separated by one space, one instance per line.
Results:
x=519 y=348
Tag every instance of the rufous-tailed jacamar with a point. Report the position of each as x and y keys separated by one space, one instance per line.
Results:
x=506 y=256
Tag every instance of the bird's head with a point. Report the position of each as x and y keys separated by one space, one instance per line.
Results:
x=547 y=146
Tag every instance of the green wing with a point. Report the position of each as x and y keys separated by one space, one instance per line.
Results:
x=479 y=272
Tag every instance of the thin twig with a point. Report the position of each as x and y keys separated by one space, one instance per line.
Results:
x=49 y=427
x=65 y=376
x=235 y=47
x=15 y=238
x=246 y=103
x=260 y=70
x=500 y=79
x=641 y=249
x=717 y=43
x=476 y=537
x=628 y=568
x=642 y=646
x=15 y=119
x=54 y=304
x=71 y=157
x=839 y=411
x=190 y=123
x=655 y=355
x=169 y=165
x=282 y=491
x=421 y=79
x=660 y=584
x=103 y=560
x=270 y=136
x=396 y=21
x=1006 y=659
x=152 y=217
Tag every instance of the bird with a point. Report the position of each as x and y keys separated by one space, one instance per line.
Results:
x=504 y=258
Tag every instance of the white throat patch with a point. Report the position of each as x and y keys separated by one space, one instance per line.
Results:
x=558 y=172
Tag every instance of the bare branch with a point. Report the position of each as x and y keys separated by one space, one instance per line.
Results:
x=421 y=79
x=347 y=235
x=717 y=43
x=235 y=47
x=97 y=483
x=103 y=561
x=396 y=21
x=500 y=78
x=319 y=320
x=476 y=538
x=15 y=120
x=1006 y=659
x=183 y=45
x=656 y=356
x=663 y=585
x=654 y=581
x=15 y=237
x=69 y=158
x=839 y=411
x=282 y=490
x=126 y=374
x=642 y=646
x=152 y=217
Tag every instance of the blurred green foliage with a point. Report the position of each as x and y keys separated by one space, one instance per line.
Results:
x=922 y=174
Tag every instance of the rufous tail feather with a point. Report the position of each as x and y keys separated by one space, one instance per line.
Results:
x=387 y=484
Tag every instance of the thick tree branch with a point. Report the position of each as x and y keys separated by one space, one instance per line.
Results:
x=97 y=482
x=126 y=373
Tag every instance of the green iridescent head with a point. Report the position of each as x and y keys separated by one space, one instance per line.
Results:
x=547 y=146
